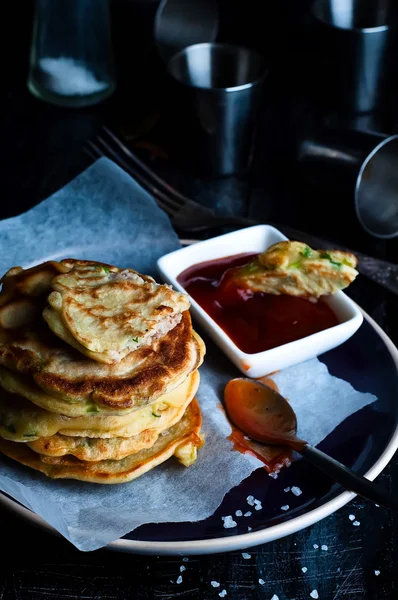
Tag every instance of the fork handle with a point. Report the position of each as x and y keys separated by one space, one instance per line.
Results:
x=380 y=271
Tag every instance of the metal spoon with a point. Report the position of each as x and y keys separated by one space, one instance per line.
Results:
x=266 y=417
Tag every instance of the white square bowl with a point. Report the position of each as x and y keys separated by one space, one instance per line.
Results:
x=257 y=239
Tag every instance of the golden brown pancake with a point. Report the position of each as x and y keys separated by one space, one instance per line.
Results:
x=95 y=449
x=182 y=440
x=137 y=380
x=106 y=313
x=24 y=386
x=23 y=292
x=295 y=269
x=22 y=421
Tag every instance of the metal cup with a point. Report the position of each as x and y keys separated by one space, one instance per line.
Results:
x=364 y=163
x=222 y=84
x=355 y=37
x=181 y=23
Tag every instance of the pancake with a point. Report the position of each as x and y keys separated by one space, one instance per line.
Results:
x=182 y=440
x=106 y=313
x=23 y=292
x=22 y=421
x=142 y=377
x=95 y=449
x=23 y=385
x=294 y=269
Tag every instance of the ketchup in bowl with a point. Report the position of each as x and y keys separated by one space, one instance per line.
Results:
x=254 y=321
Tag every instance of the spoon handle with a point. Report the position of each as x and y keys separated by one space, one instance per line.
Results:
x=349 y=479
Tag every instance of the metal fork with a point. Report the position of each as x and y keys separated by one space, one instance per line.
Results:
x=189 y=216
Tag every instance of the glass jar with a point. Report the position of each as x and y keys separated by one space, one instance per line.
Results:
x=71 y=61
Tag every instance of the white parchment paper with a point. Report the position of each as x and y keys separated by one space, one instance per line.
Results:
x=104 y=215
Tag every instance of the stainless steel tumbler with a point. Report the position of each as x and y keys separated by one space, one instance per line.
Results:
x=355 y=36
x=222 y=84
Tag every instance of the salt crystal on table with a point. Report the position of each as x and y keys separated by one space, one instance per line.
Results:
x=324 y=547
x=222 y=593
x=296 y=491
x=185 y=559
x=246 y=556
x=179 y=580
x=304 y=569
x=250 y=500
x=214 y=584
x=257 y=505
x=248 y=514
x=261 y=581
x=315 y=546
x=314 y=594
x=285 y=507
x=287 y=489
x=238 y=513
x=356 y=523
x=274 y=475
x=377 y=573
x=229 y=522
x=182 y=569
x=249 y=528
x=275 y=597
x=351 y=517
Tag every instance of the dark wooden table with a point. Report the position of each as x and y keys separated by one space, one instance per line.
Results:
x=42 y=149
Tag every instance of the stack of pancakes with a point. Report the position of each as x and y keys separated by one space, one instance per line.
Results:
x=98 y=370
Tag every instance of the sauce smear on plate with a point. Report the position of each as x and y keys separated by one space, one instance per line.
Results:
x=254 y=322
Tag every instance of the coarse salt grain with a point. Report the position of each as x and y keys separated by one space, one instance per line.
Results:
x=185 y=559
x=238 y=513
x=315 y=546
x=324 y=547
x=351 y=517
x=249 y=528
x=261 y=581
x=275 y=597
x=248 y=513
x=285 y=507
x=287 y=489
x=215 y=584
x=377 y=573
x=250 y=500
x=223 y=593
x=246 y=555
x=304 y=569
x=182 y=569
x=356 y=523
x=257 y=505
x=229 y=522
x=296 y=491
x=314 y=594
x=179 y=580
x=274 y=475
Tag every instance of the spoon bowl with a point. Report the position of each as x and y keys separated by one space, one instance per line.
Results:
x=260 y=411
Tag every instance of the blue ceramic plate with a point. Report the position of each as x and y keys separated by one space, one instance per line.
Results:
x=365 y=441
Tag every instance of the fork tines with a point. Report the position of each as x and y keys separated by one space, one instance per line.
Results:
x=108 y=144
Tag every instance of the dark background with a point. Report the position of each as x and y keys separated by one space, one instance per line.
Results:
x=42 y=148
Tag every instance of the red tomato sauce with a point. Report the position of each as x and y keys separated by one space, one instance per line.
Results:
x=254 y=322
